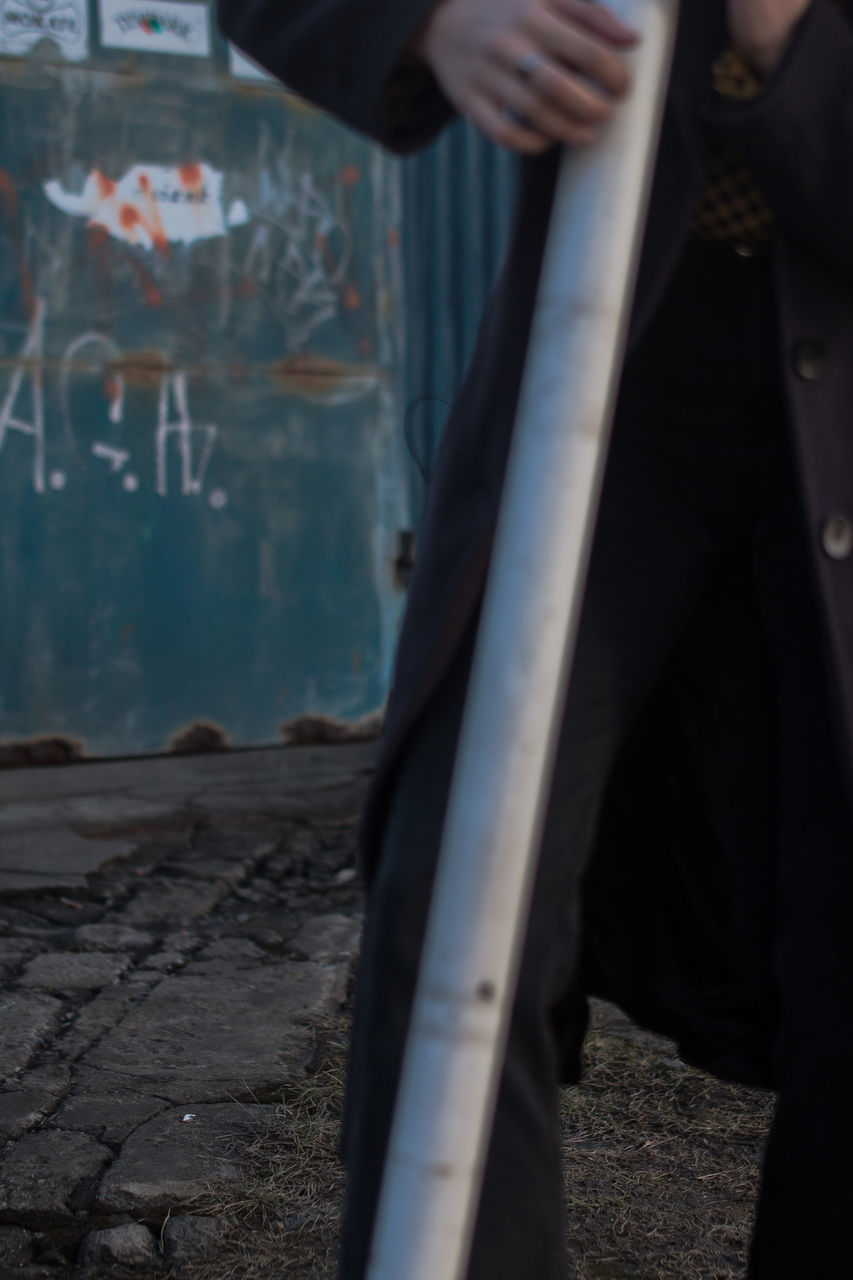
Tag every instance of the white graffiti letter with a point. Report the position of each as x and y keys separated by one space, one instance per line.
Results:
x=173 y=387
x=32 y=363
x=115 y=457
x=114 y=387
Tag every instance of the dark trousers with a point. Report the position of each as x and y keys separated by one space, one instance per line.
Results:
x=700 y=475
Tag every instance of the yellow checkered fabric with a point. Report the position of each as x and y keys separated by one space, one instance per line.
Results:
x=730 y=206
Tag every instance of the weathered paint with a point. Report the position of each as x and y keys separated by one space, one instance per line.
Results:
x=202 y=472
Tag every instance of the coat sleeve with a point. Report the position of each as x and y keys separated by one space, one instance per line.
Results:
x=348 y=57
x=797 y=136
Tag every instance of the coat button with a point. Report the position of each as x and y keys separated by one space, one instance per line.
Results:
x=836 y=537
x=809 y=359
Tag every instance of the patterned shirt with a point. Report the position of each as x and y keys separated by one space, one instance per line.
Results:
x=730 y=205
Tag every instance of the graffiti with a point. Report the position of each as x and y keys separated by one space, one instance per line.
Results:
x=295 y=253
x=287 y=242
x=23 y=23
x=115 y=457
x=11 y=216
x=173 y=423
x=161 y=28
x=153 y=206
x=173 y=391
x=114 y=386
x=300 y=247
x=29 y=368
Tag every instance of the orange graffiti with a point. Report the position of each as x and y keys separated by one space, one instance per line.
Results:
x=9 y=196
x=27 y=291
x=151 y=222
x=106 y=186
x=9 y=205
x=175 y=205
x=190 y=175
x=349 y=175
x=99 y=250
x=150 y=292
x=352 y=298
x=96 y=248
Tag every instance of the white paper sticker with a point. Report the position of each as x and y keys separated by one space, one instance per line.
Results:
x=23 y=23
x=157 y=28
x=243 y=68
x=153 y=206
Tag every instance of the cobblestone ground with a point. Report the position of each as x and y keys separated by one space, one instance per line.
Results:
x=172 y=935
x=176 y=945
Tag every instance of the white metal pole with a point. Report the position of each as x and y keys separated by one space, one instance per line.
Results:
x=489 y=848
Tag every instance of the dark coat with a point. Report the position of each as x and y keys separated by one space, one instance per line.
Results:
x=797 y=139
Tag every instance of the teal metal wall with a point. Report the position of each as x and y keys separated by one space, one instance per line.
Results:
x=458 y=199
x=202 y=468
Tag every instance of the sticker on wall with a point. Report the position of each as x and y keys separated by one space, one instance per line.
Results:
x=24 y=23
x=243 y=68
x=157 y=28
x=153 y=206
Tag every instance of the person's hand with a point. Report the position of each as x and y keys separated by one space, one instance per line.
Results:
x=760 y=29
x=529 y=73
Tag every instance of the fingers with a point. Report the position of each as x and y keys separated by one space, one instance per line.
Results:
x=530 y=73
x=506 y=129
x=566 y=112
x=571 y=91
x=566 y=92
x=583 y=52
x=598 y=19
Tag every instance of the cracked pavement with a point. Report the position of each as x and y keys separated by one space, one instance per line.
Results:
x=173 y=932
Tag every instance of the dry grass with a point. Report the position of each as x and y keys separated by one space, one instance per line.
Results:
x=284 y=1221
x=662 y=1163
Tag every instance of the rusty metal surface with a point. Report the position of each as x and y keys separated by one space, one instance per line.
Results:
x=202 y=475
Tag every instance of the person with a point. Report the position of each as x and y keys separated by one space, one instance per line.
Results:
x=696 y=859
